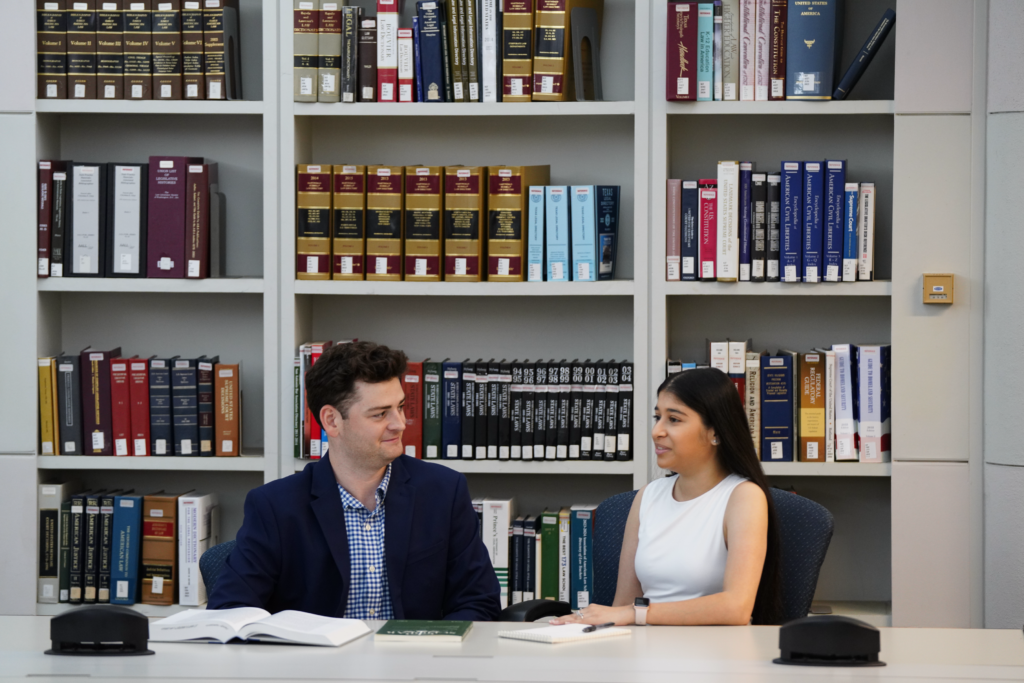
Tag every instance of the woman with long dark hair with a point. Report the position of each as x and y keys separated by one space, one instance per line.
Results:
x=700 y=547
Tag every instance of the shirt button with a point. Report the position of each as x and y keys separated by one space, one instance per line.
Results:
x=372 y=612
x=367 y=527
x=371 y=569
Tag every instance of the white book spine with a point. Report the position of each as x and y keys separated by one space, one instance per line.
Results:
x=762 y=58
x=188 y=547
x=497 y=520
x=728 y=269
x=85 y=225
x=830 y=406
x=753 y=400
x=719 y=356
x=737 y=357
x=127 y=212
x=846 y=428
x=564 y=551
x=866 y=233
x=489 y=49
x=748 y=49
x=405 y=65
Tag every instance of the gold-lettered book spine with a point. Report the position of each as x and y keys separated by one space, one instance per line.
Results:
x=424 y=202
x=51 y=50
x=306 y=48
x=214 y=60
x=110 y=50
x=192 y=61
x=553 y=76
x=138 y=50
x=385 y=222
x=508 y=189
x=82 y=50
x=464 y=220
x=47 y=426
x=167 y=70
x=349 y=198
x=313 y=222
x=517 y=51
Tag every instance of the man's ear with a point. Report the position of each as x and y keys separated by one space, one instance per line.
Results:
x=332 y=421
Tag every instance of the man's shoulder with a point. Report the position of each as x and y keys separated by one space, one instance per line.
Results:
x=292 y=488
x=425 y=472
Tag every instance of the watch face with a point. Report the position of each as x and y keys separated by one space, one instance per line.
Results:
x=641 y=602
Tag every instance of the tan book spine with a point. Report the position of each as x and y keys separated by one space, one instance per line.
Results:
x=110 y=50
x=508 y=191
x=192 y=62
x=159 y=546
x=138 y=50
x=329 y=53
x=553 y=77
x=812 y=408
x=227 y=410
x=47 y=437
x=424 y=202
x=517 y=51
x=349 y=200
x=385 y=222
x=305 y=41
x=167 y=69
x=51 y=49
x=465 y=207
x=313 y=223
x=82 y=50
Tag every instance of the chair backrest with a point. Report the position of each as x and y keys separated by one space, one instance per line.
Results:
x=805 y=530
x=212 y=561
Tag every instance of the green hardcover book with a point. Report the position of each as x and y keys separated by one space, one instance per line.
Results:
x=432 y=409
x=549 y=556
x=398 y=630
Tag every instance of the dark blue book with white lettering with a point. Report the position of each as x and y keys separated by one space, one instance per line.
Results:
x=814 y=179
x=832 y=235
x=431 y=56
x=866 y=54
x=185 y=407
x=777 y=408
x=416 y=59
x=607 y=230
x=746 y=219
x=581 y=555
x=850 y=200
x=451 y=409
x=791 y=223
x=688 y=227
x=161 y=430
x=125 y=546
x=814 y=46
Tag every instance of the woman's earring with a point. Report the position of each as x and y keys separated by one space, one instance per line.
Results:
x=714 y=442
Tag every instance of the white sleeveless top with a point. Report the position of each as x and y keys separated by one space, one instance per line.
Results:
x=682 y=551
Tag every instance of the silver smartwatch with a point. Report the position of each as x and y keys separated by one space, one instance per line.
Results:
x=640 y=606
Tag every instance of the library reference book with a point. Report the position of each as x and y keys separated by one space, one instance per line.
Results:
x=552 y=635
x=254 y=624
x=402 y=630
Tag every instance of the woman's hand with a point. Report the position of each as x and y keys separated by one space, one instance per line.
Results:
x=598 y=614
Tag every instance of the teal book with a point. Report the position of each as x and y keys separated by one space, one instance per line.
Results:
x=581 y=555
x=432 y=409
x=126 y=542
x=415 y=630
x=584 y=233
x=535 y=237
x=557 y=233
x=705 y=50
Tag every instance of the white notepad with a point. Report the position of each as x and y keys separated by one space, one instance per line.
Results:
x=567 y=633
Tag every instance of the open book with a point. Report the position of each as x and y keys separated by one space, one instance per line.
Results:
x=566 y=633
x=255 y=624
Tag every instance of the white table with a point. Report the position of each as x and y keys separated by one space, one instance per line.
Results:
x=654 y=654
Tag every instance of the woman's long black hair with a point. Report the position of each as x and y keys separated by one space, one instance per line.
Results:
x=712 y=395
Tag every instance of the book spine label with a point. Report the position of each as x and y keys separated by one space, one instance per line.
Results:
x=812 y=408
x=551 y=41
x=673 y=229
x=120 y=404
x=185 y=410
x=776 y=409
x=851 y=202
x=424 y=202
x=873 y=385
x=607 y=230
x=813 y=210
x=432 y=413
x=349 y=66
x=689 y=253
x=313 y=223
x=214 y=49
x=557 y=233
x=405 y=65
x=138 y=391
x=506 y=202
x=165 y=246
x=88 y=200
x=387 y=50
x=535 y=248
x=845 y=425
x=412 y=385
x=774 y=213
x=349 y=201
x=746 y=221
x=463 y=219
x=451 y=417
x=45 y=204
x=752 y=399
x=716 y=51
x=517 y=51
x=110 y=50
x=126 y=218
x=791 y=230
x=778 y=47
x=748 y=49
x=728 y=243
x=385 y=224
x=167 y=67
x=708 y=240
x=832 y=234
x=138 y=50
x=759 y=226
x=584 y=234
x=730 y=50
x=814 y=38
x=762 y=56
x=328 y=62
x=81 y=41
x=193 y=66
x=160 y=417
x=472 y=67
x=681 y=68
x=431 y=53
x=51 y=49
x=489 y=50
x=866 y=232
x=197 y=213
x=368 y=60
x=227 y=408
x=705 y=51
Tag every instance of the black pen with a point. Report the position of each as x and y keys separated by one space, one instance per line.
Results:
x=591 y=629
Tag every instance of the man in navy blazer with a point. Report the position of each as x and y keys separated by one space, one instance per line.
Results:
x=365 y=532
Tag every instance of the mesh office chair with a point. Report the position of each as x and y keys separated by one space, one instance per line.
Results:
x=805 y=530
x=212 y=561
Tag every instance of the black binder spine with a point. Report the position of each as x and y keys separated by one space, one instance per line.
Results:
x=515 y=442
x=493 y=408
x=600 y=407
x=551 y=426
x=611 y=416
x=529 y=410
x=504 y=411
x=624 y=446
x=576 y=411
x=480 y=408
x=540 y=411
x=587 y=412
x=468 y=409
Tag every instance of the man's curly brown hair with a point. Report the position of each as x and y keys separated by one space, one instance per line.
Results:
x=332 y=380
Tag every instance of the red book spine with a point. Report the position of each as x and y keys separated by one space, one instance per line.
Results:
x=708 y=238
x=681 y=69
x=120 y=406
x=96 y=428
x=412 y=384
x=45 y=216
x=740 y=382
x=314 y=428
x=138 y=394
x=387 y=50
x=197 y=217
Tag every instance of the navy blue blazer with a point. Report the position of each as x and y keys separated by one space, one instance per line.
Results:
x=292 y=550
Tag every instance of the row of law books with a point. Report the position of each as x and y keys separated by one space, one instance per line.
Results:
x=759 y=50
x=825 y=405
x=452 y=223
x=116 y=546
x=161 y=219
x=454 y=51
x=803 y=224
x=549 y=556
x=138 y=50
x=101 y=403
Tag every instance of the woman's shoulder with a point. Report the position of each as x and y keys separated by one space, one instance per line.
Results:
x=746 y=493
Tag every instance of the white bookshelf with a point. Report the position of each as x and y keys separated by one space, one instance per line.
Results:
x=460 y=109
x=244 y=463
x=122 y=107
x=225 y=285
x=369 y=288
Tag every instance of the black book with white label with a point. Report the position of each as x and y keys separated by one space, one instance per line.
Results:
x=600 y=408
x=624 y=449
x=77 y=541
x=516 y=412
x=540 y=410
x=468 y=409
x=576 y=410
x=505 y=411
x=587 y=411
x=773 y=209
x=493 y=408
x=564 y=401
x=69 y=397
x=611 y=415
x=551 y=420
x=759 y=225
x=480 y=409
x=529 y=409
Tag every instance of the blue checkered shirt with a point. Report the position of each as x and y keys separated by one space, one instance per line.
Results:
x=368 y=594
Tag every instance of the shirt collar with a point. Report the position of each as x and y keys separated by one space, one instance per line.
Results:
x=350 y=501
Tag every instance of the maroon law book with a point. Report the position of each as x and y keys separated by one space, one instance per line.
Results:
x=777 y=61
x=97 y=428
x=166 y=243
x=681 y=67
x=45 y=217
x=197 y=211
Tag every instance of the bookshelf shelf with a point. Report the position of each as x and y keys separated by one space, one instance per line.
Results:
x=246 y=463
x=832 y=469
x=456 y=109
x=151 y=611
x=526 y=467
x=235 y=107
x=875 y=288
x=364 y=288
x=782 y=107
x=152 y=285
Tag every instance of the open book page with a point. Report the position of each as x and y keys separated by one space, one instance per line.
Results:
x=565 y=633
x=301 y=627
x=195 y=624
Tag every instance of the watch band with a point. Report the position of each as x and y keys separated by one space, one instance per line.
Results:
x=640 y=615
